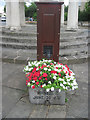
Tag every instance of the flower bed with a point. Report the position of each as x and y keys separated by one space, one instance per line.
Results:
x=50 y=76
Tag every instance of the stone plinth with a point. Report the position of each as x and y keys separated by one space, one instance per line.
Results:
x=40 y=96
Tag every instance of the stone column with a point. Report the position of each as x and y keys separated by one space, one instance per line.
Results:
x=15 y=15
x=22 y=14
x=72 y=23
x=8 y=14
x=62 y=13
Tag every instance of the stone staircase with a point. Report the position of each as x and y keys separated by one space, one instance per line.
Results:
x=21 y=46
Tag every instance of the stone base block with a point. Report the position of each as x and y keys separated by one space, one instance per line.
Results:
x=40 y=96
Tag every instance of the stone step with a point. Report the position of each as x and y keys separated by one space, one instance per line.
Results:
x=27 y=53
x=63 y=45
x=65 y=60
x=33 y=32
x=34 y=39
x=24 y=55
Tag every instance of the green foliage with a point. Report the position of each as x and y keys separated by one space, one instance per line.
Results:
x=31 y=11
x=5 y=8
x=85 y=14
x=65 y=13
x=66 y=100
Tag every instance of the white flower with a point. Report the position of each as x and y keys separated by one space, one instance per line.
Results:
x=61 y=85
x=64 y=82
x=29 y=64
x=45 y=68
x=43 y=85
x=73 y=88
x=54 y=77
x=47 y=89
x=66 y=88
x=33 y=81
x=60 y=79
x=28 y=84
x=30 y=69
x=49 y=69
x=49 y=82
x=49 y=60
x=52 y=88
x=26 y=68
x=59 y=90
x=68 y=83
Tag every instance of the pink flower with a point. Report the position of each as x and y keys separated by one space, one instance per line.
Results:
x=33 y=87
x=44 y=75
x=45 y=78
x=59 y=74
x=53 y=71
x=37 y=83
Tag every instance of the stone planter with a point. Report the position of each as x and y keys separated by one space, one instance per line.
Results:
x=40 y=96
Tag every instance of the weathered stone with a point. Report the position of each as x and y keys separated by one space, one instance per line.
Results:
x=39 y=96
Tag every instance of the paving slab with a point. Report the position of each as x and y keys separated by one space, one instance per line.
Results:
x=22 y=109
x=76 y=106
x=57 y=111
x=9 y=98
x=40 y=111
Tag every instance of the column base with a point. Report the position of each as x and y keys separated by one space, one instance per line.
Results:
x=15 y=28
x=72 y=29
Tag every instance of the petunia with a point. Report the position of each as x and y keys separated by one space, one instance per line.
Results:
x=33 y=87
x=37 y=83
x=52 y=88
x=47 y=89
x=44 y=75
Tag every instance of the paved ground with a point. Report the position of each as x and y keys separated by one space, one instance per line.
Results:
x=15 y=101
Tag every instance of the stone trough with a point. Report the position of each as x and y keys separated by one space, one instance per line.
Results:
x=40 y=96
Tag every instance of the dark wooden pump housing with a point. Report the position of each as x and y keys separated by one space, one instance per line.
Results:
x=48 y=30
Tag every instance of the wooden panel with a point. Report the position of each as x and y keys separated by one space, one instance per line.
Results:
x=48 y=31
x=48 y=28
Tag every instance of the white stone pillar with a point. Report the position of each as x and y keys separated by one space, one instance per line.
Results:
x=15 y=15
x=22 y=14
x=72 y=23
x=62 y=13
x=8 y=14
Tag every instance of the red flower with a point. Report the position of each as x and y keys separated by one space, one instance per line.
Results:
x=34 y=69
x=56 y=67
x=39 y=67
x=53 y=71
x=37 y=83
x=44 y=75
x=41 y=86
x=35 y=78
x=45 y=78
x=63 y=68
x=40 y=77
x=33 y=87
x=59 y=74
x=42 y=66
x=51 y=63
x=69 y=74
x=66 y=72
